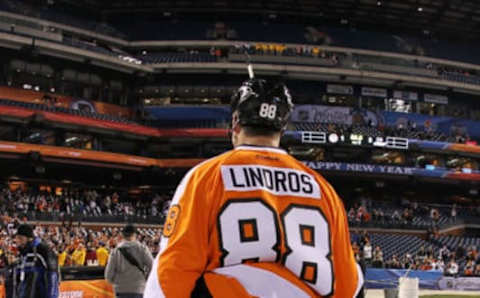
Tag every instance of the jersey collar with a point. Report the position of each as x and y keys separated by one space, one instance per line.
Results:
x=260 y=148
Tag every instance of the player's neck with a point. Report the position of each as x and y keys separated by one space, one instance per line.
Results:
x=258 y=140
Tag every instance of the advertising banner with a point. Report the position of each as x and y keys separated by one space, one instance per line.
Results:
x=375 y=92
x=365 y=168
x=388 y=278
x=81 y=289
x=339 y=115
x=60 y=101
x=340 y=89
x=86 y=289
x=405 y=95
x=435 y=98
x=392 y=170
x=459 y=283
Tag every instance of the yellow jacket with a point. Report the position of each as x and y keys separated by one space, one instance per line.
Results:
x=78 y=257
x=61 y=258
x=102 y=256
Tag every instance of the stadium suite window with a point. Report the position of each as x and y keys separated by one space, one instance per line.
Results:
x=340 y=100
x=398 y=105
x=431 y=109
x=372 y=103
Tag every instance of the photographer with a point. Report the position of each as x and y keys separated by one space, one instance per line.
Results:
x=35 y=274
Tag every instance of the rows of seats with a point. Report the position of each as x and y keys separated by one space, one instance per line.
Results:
x=452 y=242
x=88 y=47
x=178 y=58
x=59 y=17
x=426 y=222
x=291 y=33
x=397 y=244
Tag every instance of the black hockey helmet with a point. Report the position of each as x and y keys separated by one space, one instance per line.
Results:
x=262 y=104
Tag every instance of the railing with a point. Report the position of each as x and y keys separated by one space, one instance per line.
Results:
x=103 y=218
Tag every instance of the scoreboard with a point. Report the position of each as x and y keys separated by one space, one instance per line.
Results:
x=315 y=137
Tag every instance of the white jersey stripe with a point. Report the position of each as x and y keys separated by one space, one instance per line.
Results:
x=152 y=287
x=359 y=280
x=262 y=283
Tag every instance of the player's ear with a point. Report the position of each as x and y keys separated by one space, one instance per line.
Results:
x=236 y=128
x=235 y=122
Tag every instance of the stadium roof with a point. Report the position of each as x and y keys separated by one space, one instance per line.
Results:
x=459 y=18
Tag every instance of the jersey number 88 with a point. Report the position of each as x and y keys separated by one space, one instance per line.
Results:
x=249 y=231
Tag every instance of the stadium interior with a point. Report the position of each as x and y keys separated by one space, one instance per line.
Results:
x=105 y=105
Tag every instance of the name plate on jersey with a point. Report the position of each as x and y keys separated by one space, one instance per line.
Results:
x=278 y=181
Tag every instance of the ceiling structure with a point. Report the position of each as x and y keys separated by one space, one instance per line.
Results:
x=446 y=18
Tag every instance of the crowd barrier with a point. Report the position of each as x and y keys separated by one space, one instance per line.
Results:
x=375 y=279
x=389 y=278
x=433 y=280
x=81 y=289
x=459 y=283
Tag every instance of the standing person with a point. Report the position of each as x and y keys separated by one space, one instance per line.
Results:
x=254 y=221
x=367 y=252
x=128 y=265
x=37 y=271
x=79 y=255
x=102 y=254
x=91 y=255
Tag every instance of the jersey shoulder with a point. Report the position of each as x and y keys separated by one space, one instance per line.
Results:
x=209 y=167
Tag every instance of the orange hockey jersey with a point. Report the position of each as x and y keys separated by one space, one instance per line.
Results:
x=255 y=222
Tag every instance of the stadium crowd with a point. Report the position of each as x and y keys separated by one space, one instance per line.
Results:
x=85 y=204
x=75 y=244
x=79 y=245
x=460 y=261
x=406 y=213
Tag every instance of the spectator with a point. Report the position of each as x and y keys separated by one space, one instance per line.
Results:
x=102 y=254
x=444 y=253
x=426 y=265
x=129 y=265
x=422 y=253
x=394 y=263
x=453 y=213
x=351 y=214
x=37 y=267
x=378 y=257
x=439 y=265
x=469 y=268
x=452 y=269
x=367 y=252
x=472 y=253
x=62 y=256
x=476 y=272
x=396 y=216
x=407 y=261
x=91 y=256
x=79 y=255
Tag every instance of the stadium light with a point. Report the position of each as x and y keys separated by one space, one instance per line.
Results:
x=379 y=3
